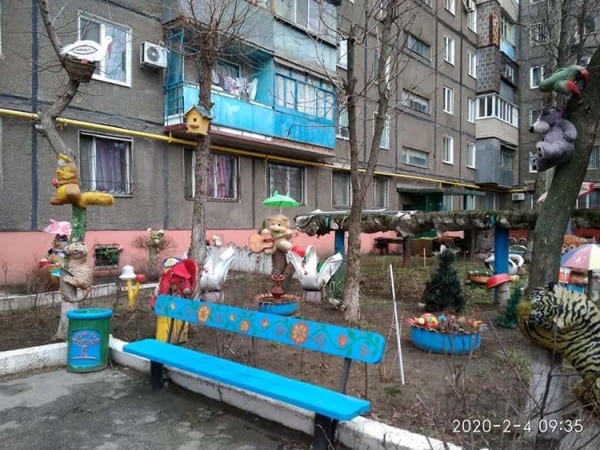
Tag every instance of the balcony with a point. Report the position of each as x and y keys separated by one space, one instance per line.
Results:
x=250 y=120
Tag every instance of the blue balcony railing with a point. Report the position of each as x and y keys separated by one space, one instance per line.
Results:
x=253 y=117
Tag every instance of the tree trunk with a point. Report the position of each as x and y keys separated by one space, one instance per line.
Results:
x=352 y=284
x=198 y=242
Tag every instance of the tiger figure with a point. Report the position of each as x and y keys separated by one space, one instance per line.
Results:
x=567 y=322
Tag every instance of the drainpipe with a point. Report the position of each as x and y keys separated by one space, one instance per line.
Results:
x=34 y=107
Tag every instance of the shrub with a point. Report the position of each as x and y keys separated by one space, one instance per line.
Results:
x=443 y=291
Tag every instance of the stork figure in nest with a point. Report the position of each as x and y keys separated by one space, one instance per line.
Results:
x=88 y=51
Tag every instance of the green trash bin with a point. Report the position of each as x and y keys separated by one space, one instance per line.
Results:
x=88 y=333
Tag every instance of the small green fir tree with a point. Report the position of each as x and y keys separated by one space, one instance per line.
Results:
x=508 y=317
x=443 y=292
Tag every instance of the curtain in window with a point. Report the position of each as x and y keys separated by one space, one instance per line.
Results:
x=115 y=57
x=110 y=163
x=223 y=177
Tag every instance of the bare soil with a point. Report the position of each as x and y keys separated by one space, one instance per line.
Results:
x=440 y=394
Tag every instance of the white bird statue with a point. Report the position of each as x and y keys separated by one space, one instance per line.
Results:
x=306 y=268
x=515 y=262
x=216 y=267
x=87 y=50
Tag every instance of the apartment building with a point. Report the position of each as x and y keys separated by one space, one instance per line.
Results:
x=276 y=122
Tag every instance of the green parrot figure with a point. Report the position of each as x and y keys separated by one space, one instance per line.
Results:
x=566 y=80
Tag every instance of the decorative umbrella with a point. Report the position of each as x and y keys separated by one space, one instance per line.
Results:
x=59 y=227
x=281 y=201
x=582 y=258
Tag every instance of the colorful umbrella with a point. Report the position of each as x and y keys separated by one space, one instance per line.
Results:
x=582 y=258
x=56 y=227
x=281 y=201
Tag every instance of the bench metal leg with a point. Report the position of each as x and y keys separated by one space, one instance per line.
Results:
x=324 y=432
x=156 y=375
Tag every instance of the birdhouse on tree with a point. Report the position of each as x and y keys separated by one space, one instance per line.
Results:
x=197 y=120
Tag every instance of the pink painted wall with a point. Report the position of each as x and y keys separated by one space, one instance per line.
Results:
x=21 y=251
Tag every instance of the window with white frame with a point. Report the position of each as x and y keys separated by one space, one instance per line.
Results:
x=414 y=157
x=472 y=18
x=536 y=76
x=532 y=155
x=471 y=110
x=472 y=63
x=448 y=149
x=534 y=113
x=341 y=189
x=116 y=65
x=105 y=163
x=594 y=162
x=470 y=202
x=450 y=5
x=380 y=192
x=315 y=16
x=449 y=50
x=492 y=105
x=415 y=102
x=304 y=93
x=342 y=129
x=342 y=54
x=384 y=143
x=447 y=203
x=448 y=100
x=471 y=153
x=507 y=30
x=538 y=33
x=221 y=176
x=286 y=179
x=418 y=46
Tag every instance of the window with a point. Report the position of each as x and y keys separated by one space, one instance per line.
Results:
x=471 y=110
x=226 y=76
x=106 y=256
x=417 y=46
x=507 y=30
x=221 y=176
x=536 y=76
x=508 y=72
x=447 y=203
x=380 y=192
x=594 y=162
x=448 y=100
x=531 y=156
x=492 y=105
x=105 y=164
x=450 y=5
x=538 y=34
x=448 y=149
x=341 y=189
x=116 y=65
x=470 y=202
x=312 y=15
x=385 y=134
x=472 y=64
x=534 y=113
x=342 y=54
x=472 y=18
x=414 y=157
x=342 y=128
x=288 y=180
x=415 y=102
x=449 y=50
x=304 y=93
x=471 y=152
x=506 y=158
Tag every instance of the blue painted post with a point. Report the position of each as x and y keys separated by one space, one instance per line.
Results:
x=340 y=243
x=501 y=250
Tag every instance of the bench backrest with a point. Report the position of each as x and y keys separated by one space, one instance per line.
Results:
x=355 y=344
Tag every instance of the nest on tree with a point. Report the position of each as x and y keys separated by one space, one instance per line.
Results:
x=78 y=69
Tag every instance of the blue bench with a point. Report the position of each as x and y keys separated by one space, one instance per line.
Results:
x=329 y=406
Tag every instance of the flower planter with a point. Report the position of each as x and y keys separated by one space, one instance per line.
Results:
x=286 y=308
x=449 y=343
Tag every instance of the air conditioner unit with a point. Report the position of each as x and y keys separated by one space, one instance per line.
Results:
x=518 y=197
x=153 y=55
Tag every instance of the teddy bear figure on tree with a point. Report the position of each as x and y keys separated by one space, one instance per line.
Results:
x=558 y=142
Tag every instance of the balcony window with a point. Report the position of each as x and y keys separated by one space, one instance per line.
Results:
x=492 y=106
x=286 y=179
x=105 y=164
x=416 y=45
x=414 y=157
x=221 y=176
x=506 y=158
x=448 y=149
x=415 y=102
x=317 y=17
x=304 y=94
x=341 y=189
x=116 y=65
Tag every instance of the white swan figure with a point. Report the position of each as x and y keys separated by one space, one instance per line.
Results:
x=306 y=268
x=87 y=50
x=515 y=262
x=216 y=267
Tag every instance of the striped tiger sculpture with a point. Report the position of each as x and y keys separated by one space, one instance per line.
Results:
x=569 y=323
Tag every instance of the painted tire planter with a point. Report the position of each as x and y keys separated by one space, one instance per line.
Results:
x=448 y=343
x=280 y=308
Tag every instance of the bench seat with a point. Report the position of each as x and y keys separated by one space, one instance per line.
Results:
x=308 y=396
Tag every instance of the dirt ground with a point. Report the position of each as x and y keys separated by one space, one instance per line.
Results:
x=442 y=395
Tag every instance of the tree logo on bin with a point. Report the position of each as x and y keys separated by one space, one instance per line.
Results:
x=84 y=340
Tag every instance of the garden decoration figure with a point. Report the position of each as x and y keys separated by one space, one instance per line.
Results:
x=179 y=278
x=77 y=272
x=558 y=143
x=277 y=301
x=312 y=277
x=515 y=263
x=276 y=232
x=214 y=272
x=127 y=273
x=566 y=80
x=566 y=322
